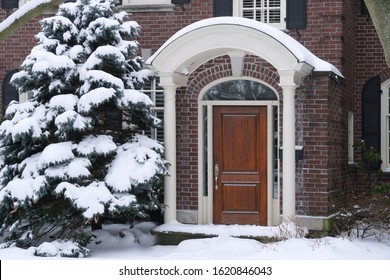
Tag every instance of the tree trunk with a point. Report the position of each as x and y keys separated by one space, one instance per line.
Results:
x=96 y=224
x=380 y=14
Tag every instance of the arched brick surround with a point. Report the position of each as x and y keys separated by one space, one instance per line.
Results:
x=187 y=118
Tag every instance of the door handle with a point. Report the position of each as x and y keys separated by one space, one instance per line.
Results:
x=216 y=175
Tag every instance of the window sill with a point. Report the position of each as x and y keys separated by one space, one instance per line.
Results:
x=148 y=8
x=386 y=170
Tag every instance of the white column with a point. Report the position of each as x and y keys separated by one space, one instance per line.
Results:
x=288 y=85
x=170 y=151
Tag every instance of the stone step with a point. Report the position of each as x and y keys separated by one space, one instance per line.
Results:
x=174 y=232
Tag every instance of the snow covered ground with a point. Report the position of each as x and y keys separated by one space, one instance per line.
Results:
x=120 y=242
x=119 y=252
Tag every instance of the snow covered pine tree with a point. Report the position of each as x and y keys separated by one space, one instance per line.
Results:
x=69 y=155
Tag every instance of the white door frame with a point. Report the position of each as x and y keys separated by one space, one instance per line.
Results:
x=205 y=208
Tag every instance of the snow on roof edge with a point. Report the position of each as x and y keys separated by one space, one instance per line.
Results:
x=24 y=9
x=297 y=49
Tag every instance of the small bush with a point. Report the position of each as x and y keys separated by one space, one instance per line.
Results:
x=365 y=216
x=292 y=228
x=61 y=248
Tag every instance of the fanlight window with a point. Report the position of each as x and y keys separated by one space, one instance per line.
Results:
x=240 y=90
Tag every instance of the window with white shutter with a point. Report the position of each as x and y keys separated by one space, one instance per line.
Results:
x=272 y=12
x=156 y=94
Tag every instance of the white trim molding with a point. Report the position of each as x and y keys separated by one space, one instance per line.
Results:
x=385 y=124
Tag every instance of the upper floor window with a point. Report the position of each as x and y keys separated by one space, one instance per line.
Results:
x=143 y=5
x=272 y=12
x=145 y=2
x=10 y=4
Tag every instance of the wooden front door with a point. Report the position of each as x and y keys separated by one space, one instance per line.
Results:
x=240 y=165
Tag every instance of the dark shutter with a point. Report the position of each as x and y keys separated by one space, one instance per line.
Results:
x=180 y=2
x=296 y=14
x=9 y=4
x=9 y=92
x=371 y=113
x=223 y=8
x=363 y=8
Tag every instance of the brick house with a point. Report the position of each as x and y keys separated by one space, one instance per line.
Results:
x=259 y=119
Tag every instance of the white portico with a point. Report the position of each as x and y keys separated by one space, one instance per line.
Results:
x=204 y=40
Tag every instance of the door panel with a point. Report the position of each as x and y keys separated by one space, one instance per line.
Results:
x=240 y=160
x=240 y=197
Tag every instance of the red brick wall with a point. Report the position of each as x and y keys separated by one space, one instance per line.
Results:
x=323 y=35
x=158 y=27
x=336 y=32
x=323 y=176
x=14 y=50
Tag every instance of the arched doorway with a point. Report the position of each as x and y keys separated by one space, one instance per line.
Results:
x=234 y=37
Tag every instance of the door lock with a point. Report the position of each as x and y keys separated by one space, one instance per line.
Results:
x=216 y=175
